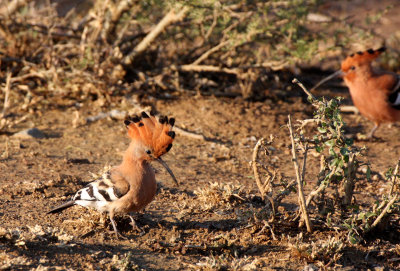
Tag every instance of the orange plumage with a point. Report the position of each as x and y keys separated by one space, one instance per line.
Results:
x=374 y=92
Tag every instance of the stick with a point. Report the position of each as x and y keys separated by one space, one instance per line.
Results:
x=168 y=19
x=182 y=132
x=379 y=218
x=349 y=109
x=299 y=180
x=255 y=170
x=321 y=188
x=394 y=178
x=209 y=52
x=7 y=96
x=207 y=68
x=123 y=6
x=296 y=81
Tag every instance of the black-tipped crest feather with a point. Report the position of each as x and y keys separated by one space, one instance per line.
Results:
x=171 y=121
x=171 y=134
x=135 y=118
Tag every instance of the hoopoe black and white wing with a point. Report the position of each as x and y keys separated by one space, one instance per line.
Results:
x=97 y=194
x=394 y=96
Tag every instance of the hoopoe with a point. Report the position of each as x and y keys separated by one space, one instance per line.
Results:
x=375 y=93
x=129 y=187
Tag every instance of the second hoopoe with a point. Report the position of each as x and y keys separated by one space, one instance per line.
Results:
x=129 y=187
x=375 y=93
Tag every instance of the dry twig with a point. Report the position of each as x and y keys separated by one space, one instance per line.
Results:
x=207 y=68
x=302 y=202
x=255 y=170
x=6 y=96
x=387 y=208
x=394 y=178
x=209 y=52
x=168 y=19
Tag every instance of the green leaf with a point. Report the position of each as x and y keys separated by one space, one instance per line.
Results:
x=368 y=174
x=319 y=149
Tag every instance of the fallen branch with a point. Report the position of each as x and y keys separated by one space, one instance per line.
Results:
x=207 y=68
x=168 y=19
x=182 y=132
x=349 y=109
x=209 y=52
x=302 y=202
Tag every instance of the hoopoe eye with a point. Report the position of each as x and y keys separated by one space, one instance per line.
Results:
x=352 y=68
x=148 y=152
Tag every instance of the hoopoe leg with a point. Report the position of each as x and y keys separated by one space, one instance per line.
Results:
x=371 y=134
x=133 y=223
x=115 y=228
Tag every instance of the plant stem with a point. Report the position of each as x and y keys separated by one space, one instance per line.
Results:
x=302 y=201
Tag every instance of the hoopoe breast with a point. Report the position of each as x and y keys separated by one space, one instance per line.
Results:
x=373 y=102
x=141 y=192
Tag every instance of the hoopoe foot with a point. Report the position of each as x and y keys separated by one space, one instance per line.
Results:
x=121 y=236
x=134 y=225
x=371 y=134
x=117 y=233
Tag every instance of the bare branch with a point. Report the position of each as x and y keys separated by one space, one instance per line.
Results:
x=299 y=180
x=255 y=169
x=320 y=188
x=168 y=19
x=394 y=178
x=207 y=68
x=209 y=52
x=379 y=218
x=296 y=81
x=6 y=96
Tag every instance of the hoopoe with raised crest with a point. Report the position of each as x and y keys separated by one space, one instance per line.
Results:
x=129 y=187
x=375 y=93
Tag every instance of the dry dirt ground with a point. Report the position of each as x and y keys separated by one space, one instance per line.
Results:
x=180 y=230
x=213 y=220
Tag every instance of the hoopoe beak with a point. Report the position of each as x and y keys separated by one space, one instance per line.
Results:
x=333 y=75
x=168 y=169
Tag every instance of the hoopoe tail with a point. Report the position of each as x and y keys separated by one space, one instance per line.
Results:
x=61 y=207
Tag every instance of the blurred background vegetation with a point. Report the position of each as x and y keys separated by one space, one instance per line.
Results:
x=59 y=52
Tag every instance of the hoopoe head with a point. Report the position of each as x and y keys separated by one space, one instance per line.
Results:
x=355 y=65
x=151 y=137
x=358 y=63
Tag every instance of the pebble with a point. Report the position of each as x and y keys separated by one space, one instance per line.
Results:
x=30 y=133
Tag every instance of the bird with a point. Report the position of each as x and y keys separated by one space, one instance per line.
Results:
x=375 y=93
x=130 y=186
